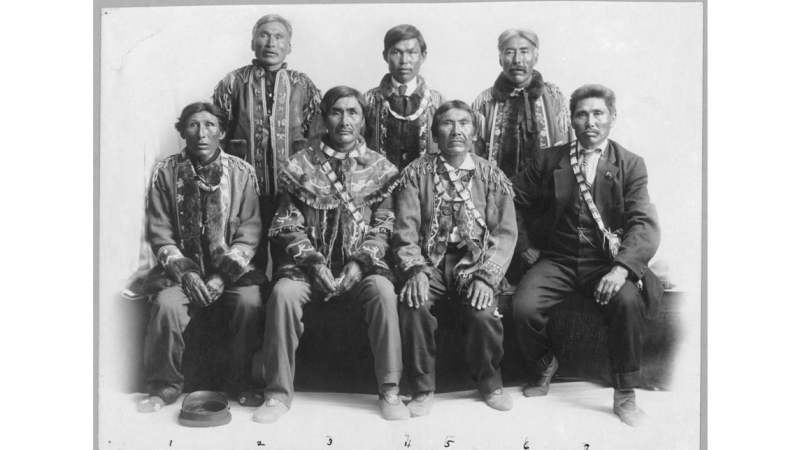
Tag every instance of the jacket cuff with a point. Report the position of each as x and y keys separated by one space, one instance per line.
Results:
x=304 y=254
x=410 y=272
x=292 y=272
x=369 y=253
x=490 y=273
x=232 y=264
x=178 y=267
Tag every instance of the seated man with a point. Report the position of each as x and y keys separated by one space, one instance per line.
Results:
x=454 y=237
x=333 y=228
x=587 y=225
x=203 y=224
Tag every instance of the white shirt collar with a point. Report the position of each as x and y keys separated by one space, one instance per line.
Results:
x=468 y=164
x=602 y=146
x=412 y=86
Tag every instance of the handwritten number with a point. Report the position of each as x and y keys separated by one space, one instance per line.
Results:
x=170 y=442
x=585 y=446
x=258 y=443
x=448 y=440
x=407 y=444
x=525 y=445
x=330 y=440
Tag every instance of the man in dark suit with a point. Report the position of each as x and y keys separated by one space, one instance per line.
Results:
x=586 y=225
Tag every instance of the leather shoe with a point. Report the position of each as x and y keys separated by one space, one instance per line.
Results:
x=540 y=386
x=392 y=408
x=421 y=404
x=625 y=407
x=270 y=411
x=499 y=400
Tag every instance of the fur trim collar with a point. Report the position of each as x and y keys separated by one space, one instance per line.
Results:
x=503 y=88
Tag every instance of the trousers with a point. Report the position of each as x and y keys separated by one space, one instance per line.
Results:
x=170 y=313
x=481 y=342
x=284 y=327
x=548 y=282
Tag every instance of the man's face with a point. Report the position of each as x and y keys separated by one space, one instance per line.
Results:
x=202 y=135
x=592 y=121
x=517 y=59
x=405 y=59
x=344 y=122
x=455 y=133
x=271 y=44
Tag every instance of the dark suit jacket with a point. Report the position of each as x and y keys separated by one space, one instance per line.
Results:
x=543 y=190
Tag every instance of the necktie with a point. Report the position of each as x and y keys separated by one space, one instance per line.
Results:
x=587 y=157
x=403 y=90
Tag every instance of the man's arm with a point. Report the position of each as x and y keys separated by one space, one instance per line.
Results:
x=370 y=257
x=639 y=222
x=224 y=97
x=313 y=125
x=502 y=234
x=232 y=264
x=414 y=271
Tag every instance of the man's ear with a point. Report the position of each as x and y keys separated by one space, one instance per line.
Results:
x=424 y=55
x=613 y=119
x=435 y=137
x=253 y=44
x=289 y=49
x=222 y=136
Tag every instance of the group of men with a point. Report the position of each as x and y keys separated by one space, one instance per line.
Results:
x=408 y=204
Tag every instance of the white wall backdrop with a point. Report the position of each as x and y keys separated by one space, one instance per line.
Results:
x=156 y=60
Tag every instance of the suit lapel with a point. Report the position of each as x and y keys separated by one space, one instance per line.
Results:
x=604 y=179
x=564 y=179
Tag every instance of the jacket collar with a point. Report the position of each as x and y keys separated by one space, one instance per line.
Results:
x=387 y=88
x=503 y=88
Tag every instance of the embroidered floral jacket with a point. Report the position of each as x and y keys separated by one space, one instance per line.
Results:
x=420 y=212
x=312 y=213
x=269 y=119
x=505 y=136
x=205 y=221
x=400 y=141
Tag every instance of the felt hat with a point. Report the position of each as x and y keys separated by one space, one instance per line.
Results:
x=204 y=409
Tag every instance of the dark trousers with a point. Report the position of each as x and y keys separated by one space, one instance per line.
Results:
x=546 y=284
x=481 y=342
x=266 y=254
x=170 y=314
x=284 y=327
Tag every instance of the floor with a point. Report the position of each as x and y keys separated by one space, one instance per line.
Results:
x=575 y=415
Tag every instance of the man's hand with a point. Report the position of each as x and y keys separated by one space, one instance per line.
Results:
x=351 y=275
x=195 y=289
x=531 y=255
x=322 y=278
x=415 y=292
x=480 y=295
x=215 y=286
x=610 y=284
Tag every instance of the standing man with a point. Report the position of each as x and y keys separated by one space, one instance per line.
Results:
x=453 y=241
x=401 y=107
x=521 y=114
x=272 y=110
x=203 y=224
x=333 y=229
x=587 y=225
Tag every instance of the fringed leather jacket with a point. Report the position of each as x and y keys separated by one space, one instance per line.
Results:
x=320 y=223
x=425 y=220
x=203 y=220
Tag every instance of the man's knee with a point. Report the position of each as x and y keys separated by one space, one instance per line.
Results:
x=525 y=307
x=170 y=301
x=379 y=287
x=629 y=299
x=288 y=292
x=484 y=319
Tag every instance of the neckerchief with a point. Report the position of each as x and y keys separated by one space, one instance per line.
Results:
x=346 y=198
x=613 y=239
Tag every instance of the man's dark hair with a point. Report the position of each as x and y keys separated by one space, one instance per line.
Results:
x=402 y=33
x=334 y=94
x=197 y=107
x=593 y=91
x=447 y=106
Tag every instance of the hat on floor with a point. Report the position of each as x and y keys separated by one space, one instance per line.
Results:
x=204 y=409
